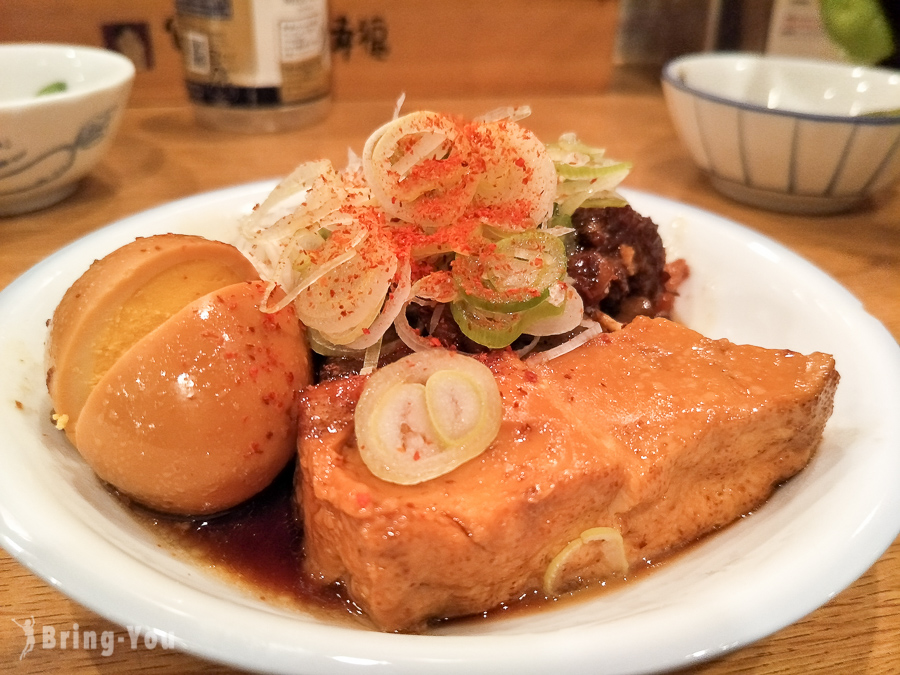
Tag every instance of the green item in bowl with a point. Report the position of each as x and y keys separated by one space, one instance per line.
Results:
x=860 y=28
x=882 y=113
x=53 y=88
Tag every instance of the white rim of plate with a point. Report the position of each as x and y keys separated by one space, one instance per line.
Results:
x=51 y=539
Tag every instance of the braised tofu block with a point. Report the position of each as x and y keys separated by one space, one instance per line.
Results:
x=616 y=453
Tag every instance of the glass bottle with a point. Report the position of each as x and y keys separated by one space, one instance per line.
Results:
x=256 y=66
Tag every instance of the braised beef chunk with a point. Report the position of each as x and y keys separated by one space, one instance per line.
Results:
x=338 y=367
x=444 y=329
x=619 y=263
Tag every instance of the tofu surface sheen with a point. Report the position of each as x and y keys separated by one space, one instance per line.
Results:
x=654 y=430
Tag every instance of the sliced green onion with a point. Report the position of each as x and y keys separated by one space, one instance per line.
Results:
x=494 y=330
x=603 y=202
x=321 y=345
x=584 y=174
x=515 y=276
x=602 y=543
x=426 y=414
x=569 y=149
x=455 y=405
x=509 y=307
x=588 y=172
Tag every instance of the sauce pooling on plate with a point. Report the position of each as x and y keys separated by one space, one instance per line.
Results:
x=259 y=546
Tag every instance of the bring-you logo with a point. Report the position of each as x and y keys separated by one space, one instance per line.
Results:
x=104 y=642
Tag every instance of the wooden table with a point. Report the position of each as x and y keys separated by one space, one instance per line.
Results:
x=160 y=155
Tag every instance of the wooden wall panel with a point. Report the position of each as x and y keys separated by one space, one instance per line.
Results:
x=381 y=48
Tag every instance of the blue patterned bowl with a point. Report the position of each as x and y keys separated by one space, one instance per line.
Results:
x=60 y=106
x=787 y=134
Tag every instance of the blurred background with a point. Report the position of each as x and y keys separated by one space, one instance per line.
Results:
x=457 y=47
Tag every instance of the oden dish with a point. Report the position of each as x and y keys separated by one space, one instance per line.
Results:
x=501 y=405
x=168 y=379
x=603 y=436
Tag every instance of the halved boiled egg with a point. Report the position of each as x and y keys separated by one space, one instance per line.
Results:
x=169 y=379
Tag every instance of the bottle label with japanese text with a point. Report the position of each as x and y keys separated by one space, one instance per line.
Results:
x=255 y=53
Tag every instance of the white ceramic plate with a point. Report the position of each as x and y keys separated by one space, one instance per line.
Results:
x=811 y=540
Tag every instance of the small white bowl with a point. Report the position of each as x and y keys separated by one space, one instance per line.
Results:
x=787 y=134
x=49 y=141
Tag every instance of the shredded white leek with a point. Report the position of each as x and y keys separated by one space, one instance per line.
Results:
x=435 y=318
x=523 y=351
x=571 y=317
x=518 y=167
x=592 y=330
x=425 y=147
x=511 y=113
x=398 y=105
x=370 y=361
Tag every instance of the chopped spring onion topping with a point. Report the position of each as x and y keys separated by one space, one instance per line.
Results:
x=584 y=174
x=455 y=405
x=516 y=275
x=426 y=414
x=518 y=169
x=436 y=210
x=53 y=88
x=411 y=337
x=417 y=167
x=494 y=330
x=511 y=113
x=569 y=316
x=393 y=307
x=597 y=544
x=370 y=361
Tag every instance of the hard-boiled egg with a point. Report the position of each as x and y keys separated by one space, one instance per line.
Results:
x=170 y=380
